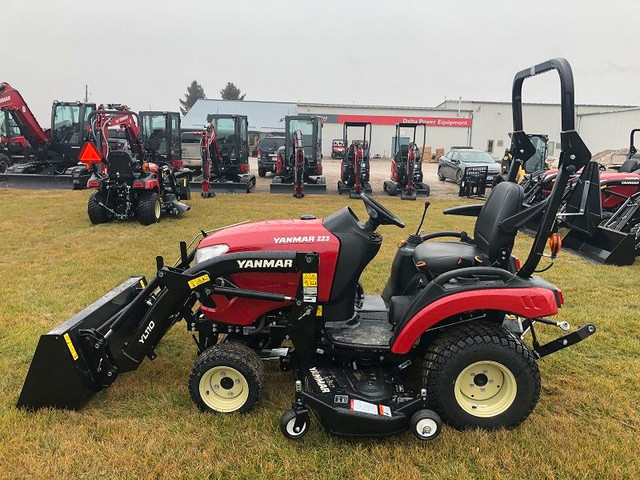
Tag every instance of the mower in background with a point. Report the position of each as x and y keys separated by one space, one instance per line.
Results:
x=34 y=158
x=337 y=148
x=406 y=165
x=229 y=160
x=138 y=181
x=354 y=167
x=299 y=161
x=255 y=290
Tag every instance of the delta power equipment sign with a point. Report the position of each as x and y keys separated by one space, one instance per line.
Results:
x=461 y=122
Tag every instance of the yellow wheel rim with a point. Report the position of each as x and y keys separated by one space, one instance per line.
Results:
x=224 y=389
x=158 y=208
x=485 y=389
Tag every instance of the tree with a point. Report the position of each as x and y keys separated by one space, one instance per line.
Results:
x=194 y=92
x=231 y=92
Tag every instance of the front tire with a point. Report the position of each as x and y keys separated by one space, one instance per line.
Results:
x=479 y=375
x=227 y=378
x=149 y=208
x=459 y=176
x=441 y=176
x=262 y=172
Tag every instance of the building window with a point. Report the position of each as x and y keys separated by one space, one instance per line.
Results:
x=500 y=143
x=490 y=146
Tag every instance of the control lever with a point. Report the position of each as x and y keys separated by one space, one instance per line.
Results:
x=424 y=214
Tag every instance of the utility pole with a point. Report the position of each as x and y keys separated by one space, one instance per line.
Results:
x=86 y=94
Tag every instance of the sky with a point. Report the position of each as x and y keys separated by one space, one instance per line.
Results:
x=144 y=53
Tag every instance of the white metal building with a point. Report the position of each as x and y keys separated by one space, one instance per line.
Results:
x=480 y=124
x=609 y=130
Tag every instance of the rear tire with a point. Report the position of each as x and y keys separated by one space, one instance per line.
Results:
x=227 y=378
x=98 y=214
x=149 y=208
x=479 y=375
x=262 y=172
x=5 y=162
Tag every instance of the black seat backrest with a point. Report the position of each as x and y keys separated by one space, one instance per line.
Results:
x=630 y=165
x=120 y=165
x=504 y=201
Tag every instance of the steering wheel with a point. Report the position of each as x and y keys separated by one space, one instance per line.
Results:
x=379 y=215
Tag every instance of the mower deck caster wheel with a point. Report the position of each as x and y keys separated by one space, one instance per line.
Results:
x=294 y=425
x=425 y=425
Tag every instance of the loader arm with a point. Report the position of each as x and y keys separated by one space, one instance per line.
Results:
x=87 y=353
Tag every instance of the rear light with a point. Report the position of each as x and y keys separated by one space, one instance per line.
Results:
x=560 y=298
x=93 y=184
x=319 y=169
x=138 y=184
x=259 y=153
x=177 y=164
x=243 y=168
x=518 y=264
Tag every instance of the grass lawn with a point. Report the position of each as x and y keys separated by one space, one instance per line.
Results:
x=53 y=263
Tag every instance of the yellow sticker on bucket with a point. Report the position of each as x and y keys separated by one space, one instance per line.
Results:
x=70 y=346
x=198 y=281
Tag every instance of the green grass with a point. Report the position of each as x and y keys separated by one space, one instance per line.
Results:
x=53 y=263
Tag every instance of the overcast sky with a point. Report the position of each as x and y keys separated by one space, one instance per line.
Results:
x=145 y=52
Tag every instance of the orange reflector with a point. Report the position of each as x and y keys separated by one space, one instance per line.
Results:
x=555 y=244
x=145 y=166
x=90 y=154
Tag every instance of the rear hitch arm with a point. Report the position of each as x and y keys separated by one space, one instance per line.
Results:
x=564 y=341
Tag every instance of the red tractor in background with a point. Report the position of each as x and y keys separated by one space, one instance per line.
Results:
x=32 y=157
x=406 y=165
x=137 y=180
x=354 y=167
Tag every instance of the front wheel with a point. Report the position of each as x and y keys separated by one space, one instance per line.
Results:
x=459 y=177
x=441 y=176
x=227 y=377
x=149 y=208
x=481 y=376
x=294 y=425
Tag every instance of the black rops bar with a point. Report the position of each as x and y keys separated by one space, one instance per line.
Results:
x=573 y=156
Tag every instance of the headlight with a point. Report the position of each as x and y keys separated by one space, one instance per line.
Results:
x=206 y=253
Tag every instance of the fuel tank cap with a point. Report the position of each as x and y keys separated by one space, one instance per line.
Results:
x=307 y=216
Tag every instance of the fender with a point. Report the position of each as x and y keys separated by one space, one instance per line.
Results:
x=526 y=302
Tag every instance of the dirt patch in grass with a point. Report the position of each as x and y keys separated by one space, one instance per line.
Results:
x=53 y=263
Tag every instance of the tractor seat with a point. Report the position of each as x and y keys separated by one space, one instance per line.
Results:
x=121 y=165
x=490 y=245
x=630 y=165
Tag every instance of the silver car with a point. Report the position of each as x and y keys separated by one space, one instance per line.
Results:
x=452 y=165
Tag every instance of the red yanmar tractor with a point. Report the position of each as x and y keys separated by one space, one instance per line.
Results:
x=253 y=290
x=31 y=157
x=354 y=166
x=406 y=165
x=299 y=161
x=139 y=180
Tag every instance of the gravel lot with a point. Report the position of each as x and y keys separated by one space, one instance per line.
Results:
x=380 y=171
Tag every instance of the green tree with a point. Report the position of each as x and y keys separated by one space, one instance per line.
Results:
x=231 y=92
x=194 y=92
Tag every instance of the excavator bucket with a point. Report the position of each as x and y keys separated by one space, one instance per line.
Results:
x=60 y=375
x=308 y=188
x=246 y=185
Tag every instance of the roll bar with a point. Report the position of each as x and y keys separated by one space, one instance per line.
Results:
x=632 y=146
x=574 y=154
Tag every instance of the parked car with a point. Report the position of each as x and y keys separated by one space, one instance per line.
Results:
x=337 y=148
x=191 y=149
x=452 y=165
x=268 y=153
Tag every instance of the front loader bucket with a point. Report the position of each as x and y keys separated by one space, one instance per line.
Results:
x=59 y=375
x=606 y=246
x=32 y=181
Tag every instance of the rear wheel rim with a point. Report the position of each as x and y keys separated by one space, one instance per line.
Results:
x=223 y=389
x=157 y=209
x=485 y=389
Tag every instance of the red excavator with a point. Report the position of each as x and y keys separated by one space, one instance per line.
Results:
x=37 y=158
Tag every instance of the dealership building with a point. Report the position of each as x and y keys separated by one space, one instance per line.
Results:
x=479 y=124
